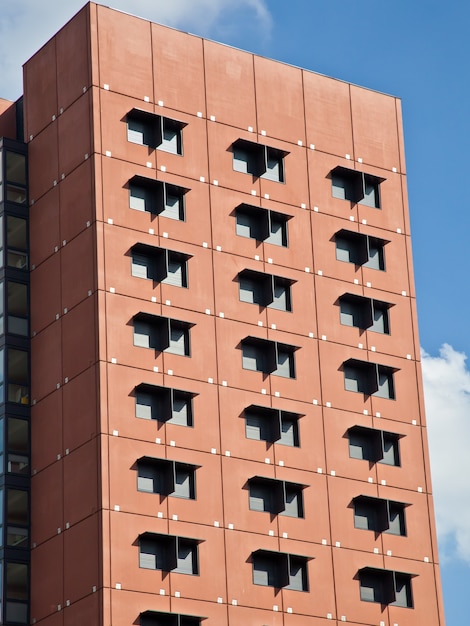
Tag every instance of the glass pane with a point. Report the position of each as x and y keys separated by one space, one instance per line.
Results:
x=16 y=194
x=247 y=225
x=285 y=364
x=17 y=235
x=173 y=207
x=17 y=374
x=289 y=432
x=297 y=575
x=17 y=612
x=281 y=299
x=179 y=341
x=16 y=168
x=18 y=446
x=293 y=503
x=186 y=558
x=359 y=446
x=260 y=497
x=17 y=308
x=181 y=411
x=390 y=449
x=278 y=231
x=380 y=322
x=370 y=589
x=176 y=275
x=17 y=506
x=171 y=138
x=402 y=591
x=147 y=479
x=385 y=385
x=140 y=199
x=257 y=427
x=148 y=555
x=371 y=194
x=183 y=484
x=17 y=242
x=144 y=406
x=140 y=267
x=142 y=334
x=249 y=290
x=139 y=132
x=253 y=358
x=376 y=254
x=241 y=160
x=16 y=583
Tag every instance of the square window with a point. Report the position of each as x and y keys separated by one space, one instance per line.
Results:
x=168 y=478
x=374 y=445
x=262 y=224
x=157 y=197
x=385 y=587
x=265 y=290
x=159 y=265
x=280 y=570
x=271 y=425
x=161 y=334
x=164 y=404
x=275 y=497
x=364 y=313
x=155 y=131
x=357 y=187
x=168 y=553
x=258 y=160
x=360 y=249
x=369 y=378
x=268 y=357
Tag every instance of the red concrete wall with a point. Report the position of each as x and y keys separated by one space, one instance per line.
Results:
x=87 y=512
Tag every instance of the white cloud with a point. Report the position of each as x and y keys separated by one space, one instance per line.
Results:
x=25 y=25
x=447 y=393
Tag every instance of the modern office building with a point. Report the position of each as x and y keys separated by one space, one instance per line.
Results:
x=215 y=400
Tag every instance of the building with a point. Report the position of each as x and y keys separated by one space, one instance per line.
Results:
x=227 y=419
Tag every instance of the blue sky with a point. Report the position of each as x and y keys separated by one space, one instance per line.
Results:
x=418 y=50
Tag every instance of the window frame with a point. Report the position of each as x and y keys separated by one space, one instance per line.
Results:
x=364 y=312
x=273 y=421
x=372 y=379
x=159 y=331
x=259 y=222
x=385 y=582
x=155 y=195
x=275 y=492
x=375 y=441
x=159 y=260
x=155 y=126
x=280 y=569
x=266 y=284
x=355 y=185
x=257 y=158
x=168 y=476
x=170 y=547
x=378 y=515
x=269 y=354
x=163 y=400
x=362 y=248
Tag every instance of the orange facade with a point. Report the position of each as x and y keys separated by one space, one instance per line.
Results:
x=223 y=310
